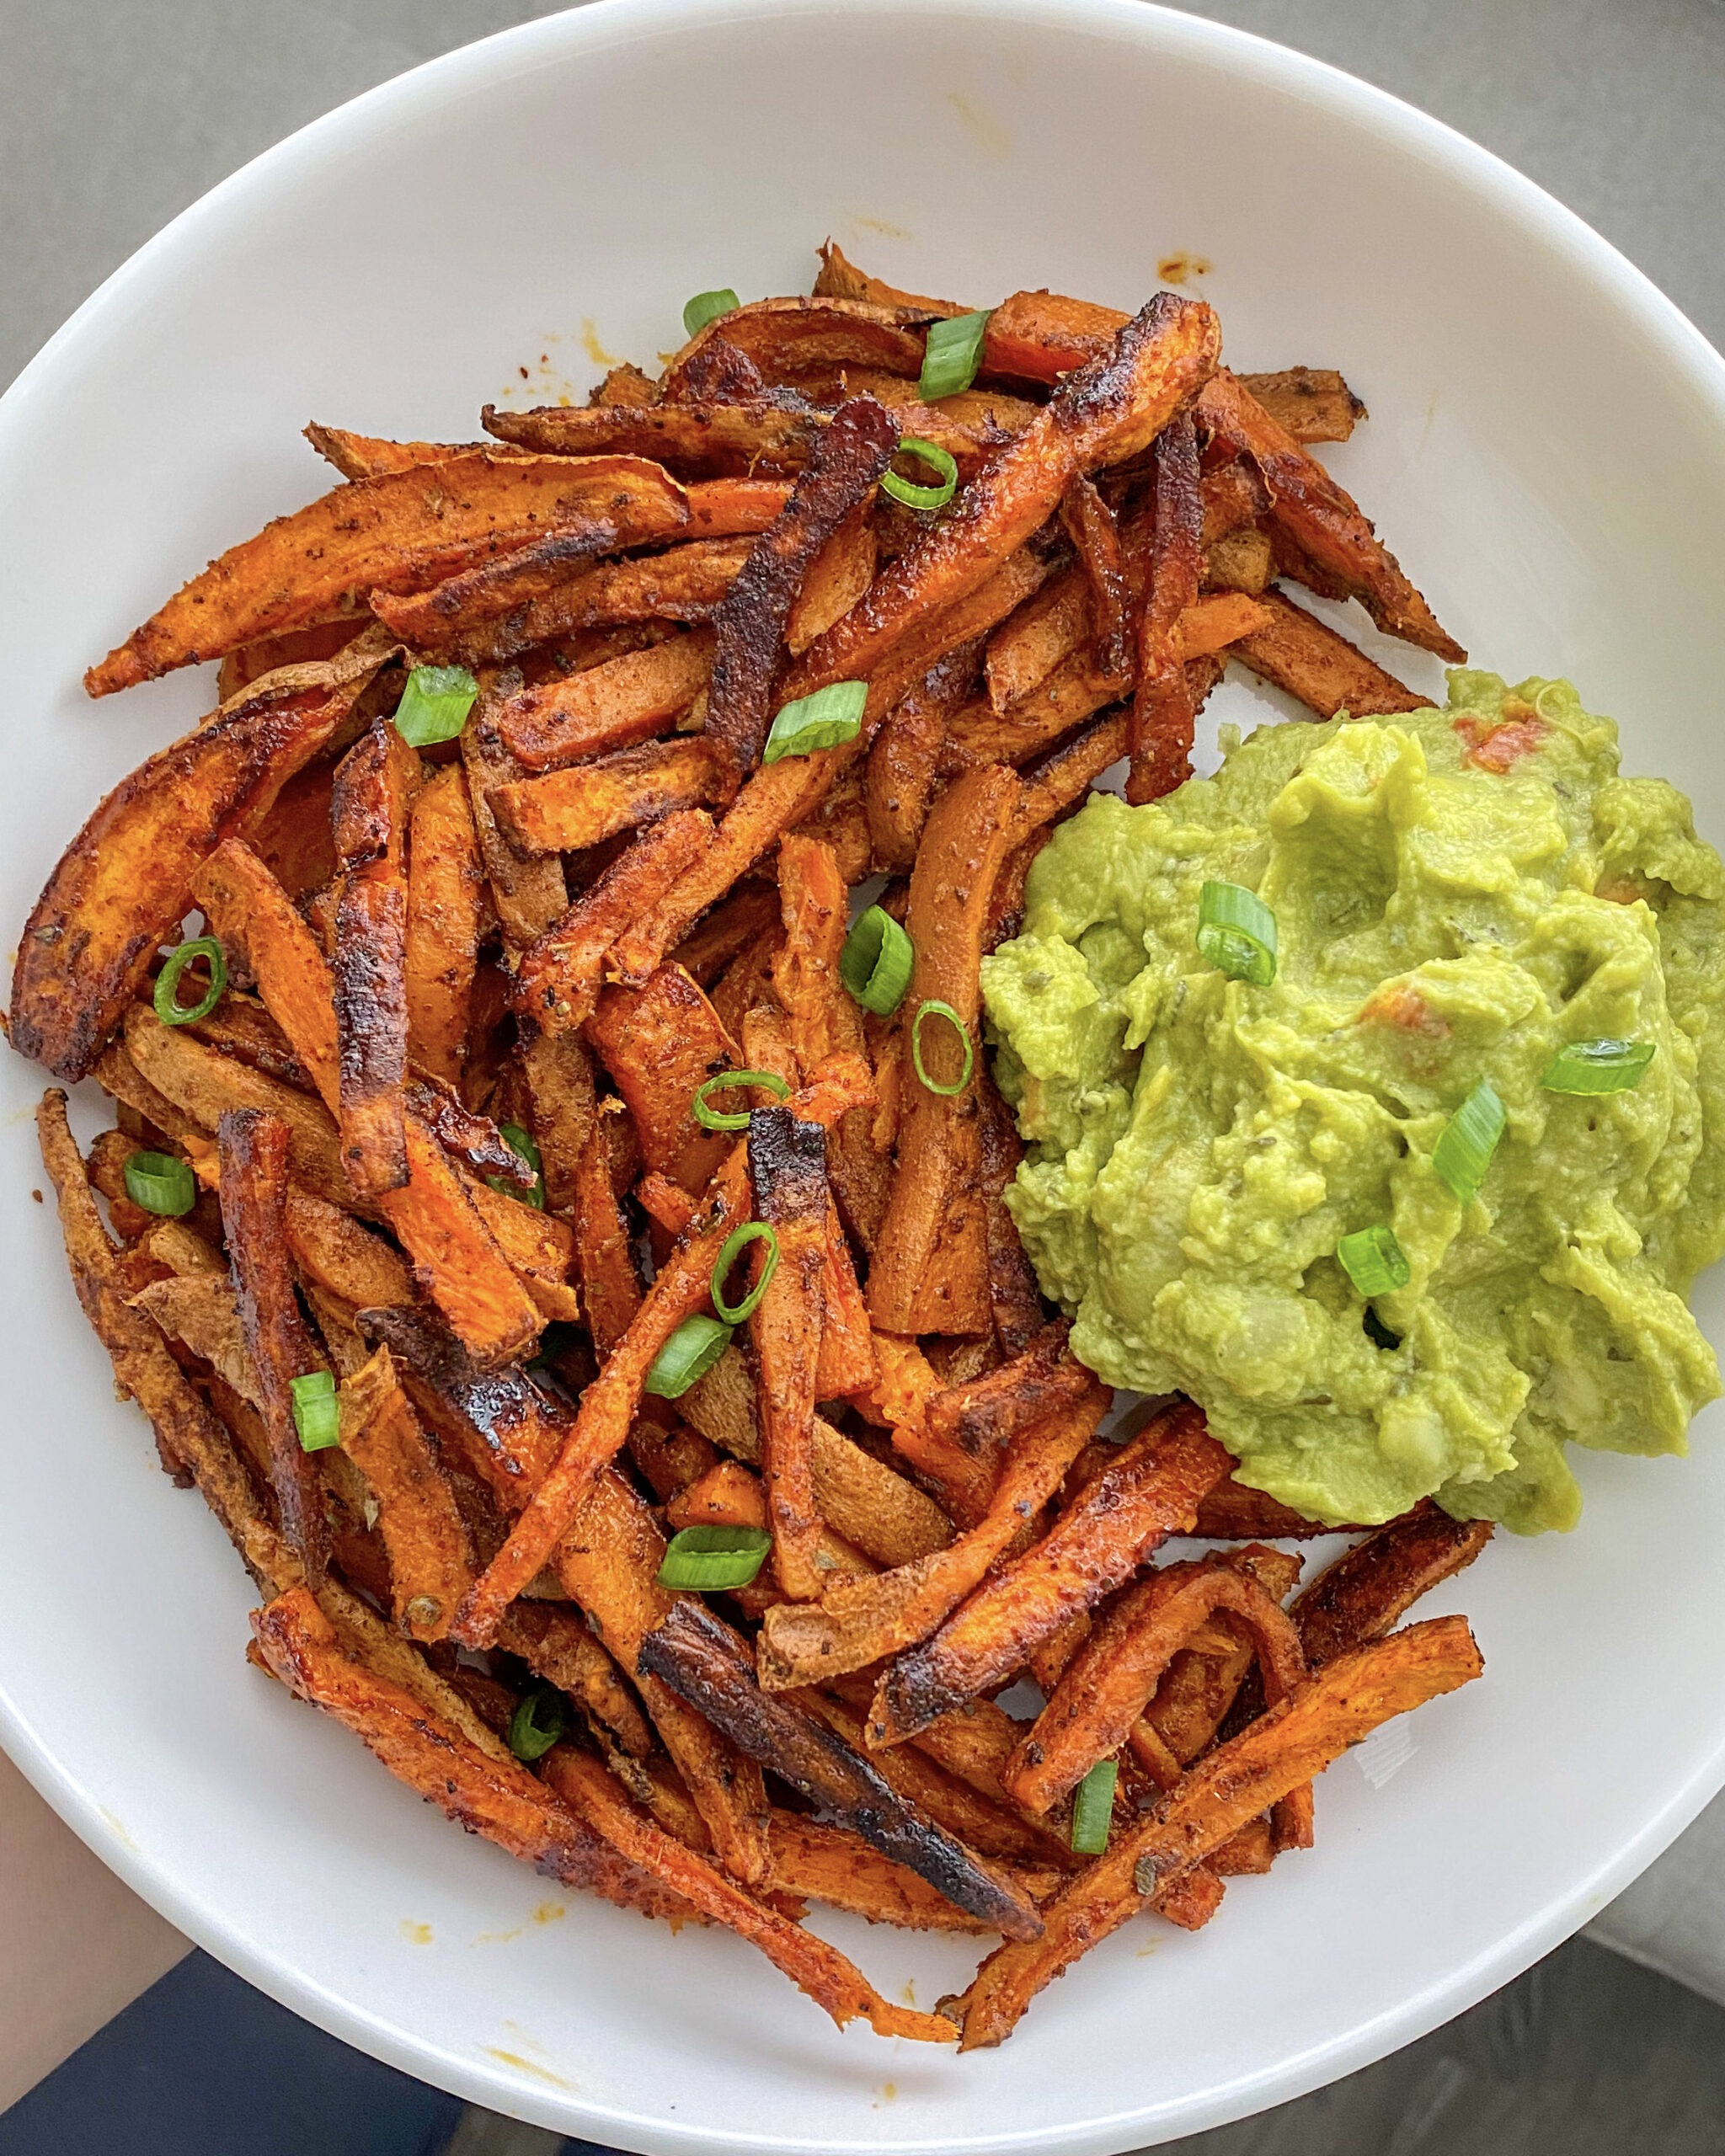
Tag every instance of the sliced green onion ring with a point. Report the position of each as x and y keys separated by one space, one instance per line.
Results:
x=538 y=1722
x=700 y=1559
x=1373 y=1261
x=1237 y=932
x=935 y=1009
x=434 y=705
x=907 y=491
x=168 y=1007
x=831 y=717
x=1605 y=1066
x=316 y=1412
x=161 y=1182
x=712 y=1118
x=1464 y=1152
x=708 y=307
x=735 y=1243
x=521 y=1141
x=1093 y=1808
x=875 y=963
x=688 y=1355
x=951 y=356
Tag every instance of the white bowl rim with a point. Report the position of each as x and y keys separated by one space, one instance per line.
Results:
x=1671 y=338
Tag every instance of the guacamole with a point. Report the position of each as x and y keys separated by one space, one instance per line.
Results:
x=1457 y=895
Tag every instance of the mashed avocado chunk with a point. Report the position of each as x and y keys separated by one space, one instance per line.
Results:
x=1458 y=895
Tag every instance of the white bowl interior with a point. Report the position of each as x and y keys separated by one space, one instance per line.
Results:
x=1547 y=453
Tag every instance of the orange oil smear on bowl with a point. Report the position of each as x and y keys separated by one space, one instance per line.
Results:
x=1181 y=268
x=416 y=1934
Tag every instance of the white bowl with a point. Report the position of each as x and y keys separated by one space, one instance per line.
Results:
x=1547 y=452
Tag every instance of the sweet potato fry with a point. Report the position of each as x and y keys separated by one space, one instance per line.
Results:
x=905 y=1381
x=201 y=1311
x=399 y=533
x=558 y=982
x=563 y=811
x=837 y=578
x=1162 y=708
x=930 y=1268
x=1046 y=630
x=724 y=509
x=369 y=809
x=444 y=917
x=253 y=1149
x=1373 y=1586
x=660 y=1044
x=612 y=706
x=841 y=279
x=608 y=1407
x=1040 y=336
x=787 y=1173
x=1310 y=403
x=784 y=337
x=1319 y=668
x=528 y=891
x=1323 y=520
x=700 y=1658
x=558 y=1647
x=813 y=1967
x=844 y=464
x=1090 y=525
x=864 y=1501
x=123 y=885
x=269 y=655
x=1111 y=1679
x=431 y=1558
x=493 y=1796
x=1193 y=1700
x=859 y=1621
x=1152 y=1492
x=1107 y=412
x=700 y=439
x=190 y=1438
x=830 y=1865
x=1232 y=1513
x=903 y=764
x=983 y=1415
x=1334 y=1708
x=332 y=1252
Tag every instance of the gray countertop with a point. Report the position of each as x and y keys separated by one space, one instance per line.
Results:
x=116 y=113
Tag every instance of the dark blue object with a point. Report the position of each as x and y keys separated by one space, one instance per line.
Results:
x=204 y=2063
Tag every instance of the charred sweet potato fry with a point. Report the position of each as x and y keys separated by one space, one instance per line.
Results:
x=253 y=1200
x=431 y=1558
x=558 y=1647
x=369 y=809
x=930 y=1268
x=1162 y=707
x=903 y=766
x=701 y=440
x=611 y=705
x=830 y=1865
x=860 y=1621
x=852 y=452
x=1334 y=1708
x=787 y=1173
x=557 y=983
x=1090 y=526
x=838 y=279
x=1373 y=1586
x=123 y=885
x=1318 y=667
x=1232 y=1513
x=1194 y=1696
x=399 y=533
x=1152 y=1492
x=983 y=1415
x=444 y=920
x=707 y=1662
x=1323 y=520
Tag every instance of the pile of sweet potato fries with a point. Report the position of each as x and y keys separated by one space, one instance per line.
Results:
x=494 y=1331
